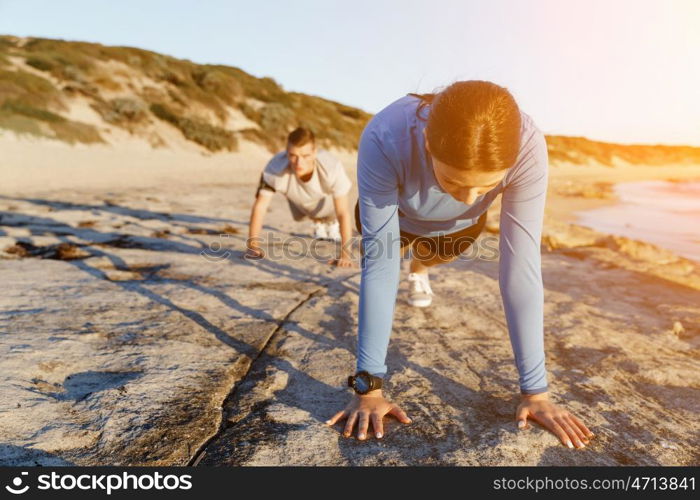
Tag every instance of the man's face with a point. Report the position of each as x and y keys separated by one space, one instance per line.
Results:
x=302 y=159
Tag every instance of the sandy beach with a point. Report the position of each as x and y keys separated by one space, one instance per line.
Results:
x=134 y=333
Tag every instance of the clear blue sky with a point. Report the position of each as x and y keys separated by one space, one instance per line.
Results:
x=616 y=70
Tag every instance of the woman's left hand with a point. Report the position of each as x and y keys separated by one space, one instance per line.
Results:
x=567 y=427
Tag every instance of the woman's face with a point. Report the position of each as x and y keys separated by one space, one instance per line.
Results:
x=464 y=186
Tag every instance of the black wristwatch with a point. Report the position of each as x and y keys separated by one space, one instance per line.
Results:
x=363 y=382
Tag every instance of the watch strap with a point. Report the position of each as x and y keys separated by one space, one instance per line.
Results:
x=374 y=381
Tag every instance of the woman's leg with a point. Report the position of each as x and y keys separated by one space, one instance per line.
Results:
x=425 y=257
x=431 y=251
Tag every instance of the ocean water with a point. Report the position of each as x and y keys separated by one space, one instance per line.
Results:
x=664 y=213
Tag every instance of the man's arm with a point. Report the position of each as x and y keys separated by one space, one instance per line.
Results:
x=342 y=212
x=257 y=215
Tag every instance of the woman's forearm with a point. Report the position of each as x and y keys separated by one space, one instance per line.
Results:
x=381 y=267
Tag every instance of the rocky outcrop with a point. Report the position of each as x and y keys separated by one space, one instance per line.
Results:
x=161 y=345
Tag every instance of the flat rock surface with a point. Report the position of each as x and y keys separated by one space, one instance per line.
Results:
x=147 y=339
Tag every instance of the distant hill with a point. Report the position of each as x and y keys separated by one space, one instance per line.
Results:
x=581 y=150
x=90 y=93
x=73 y=91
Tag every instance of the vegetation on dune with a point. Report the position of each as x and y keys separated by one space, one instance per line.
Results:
x=25 y=100
x=581 y=150
x=30 y=89
x=211 y=137
x=122 y=110
x=21 y=108
x=198 y=99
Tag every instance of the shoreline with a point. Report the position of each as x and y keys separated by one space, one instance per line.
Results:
x=592 y=177
x=658 y=212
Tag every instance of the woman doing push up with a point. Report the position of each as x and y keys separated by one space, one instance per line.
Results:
x=429 y=166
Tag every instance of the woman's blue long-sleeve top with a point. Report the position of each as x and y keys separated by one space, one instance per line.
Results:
x=394 y=172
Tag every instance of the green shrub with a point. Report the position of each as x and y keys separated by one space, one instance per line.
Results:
x=276 y=118
x=163 y=112
x=27 y=81
x=72 y=132
x=20 y=124
x=40 y=63
x=7 y=42
x=23 y=119
x=250 y=112
x=31 y=89
x=258 y=136
x=211 y=137
x=80 y=55
x=352 y=113
x=218 y=83
x=122 y=110
x=20 y=108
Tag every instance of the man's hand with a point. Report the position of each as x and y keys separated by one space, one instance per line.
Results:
x=342 y=262
x=365 y=408
x=568 y=428
x=254 y=253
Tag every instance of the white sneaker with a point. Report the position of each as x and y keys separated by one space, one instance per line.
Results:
x=333 y=230
x=320 y=231
x=420 y=294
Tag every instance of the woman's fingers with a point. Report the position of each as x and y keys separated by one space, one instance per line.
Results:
x=350 y=424
x=521 y=417
x=336 y=417
x=570 y=431
x=377 y=425
x=362 y=427
x=579 y=432
x=399 y=414
x=553 y=426
x=582 y=426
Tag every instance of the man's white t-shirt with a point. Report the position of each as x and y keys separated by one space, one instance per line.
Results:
x=328 y=179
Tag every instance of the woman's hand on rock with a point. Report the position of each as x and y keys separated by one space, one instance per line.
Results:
x=570 y=430
x=363 y=409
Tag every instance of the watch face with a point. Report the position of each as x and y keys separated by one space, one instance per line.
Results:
x=361 y=383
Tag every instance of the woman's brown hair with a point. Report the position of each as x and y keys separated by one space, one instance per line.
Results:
x=472 y=125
